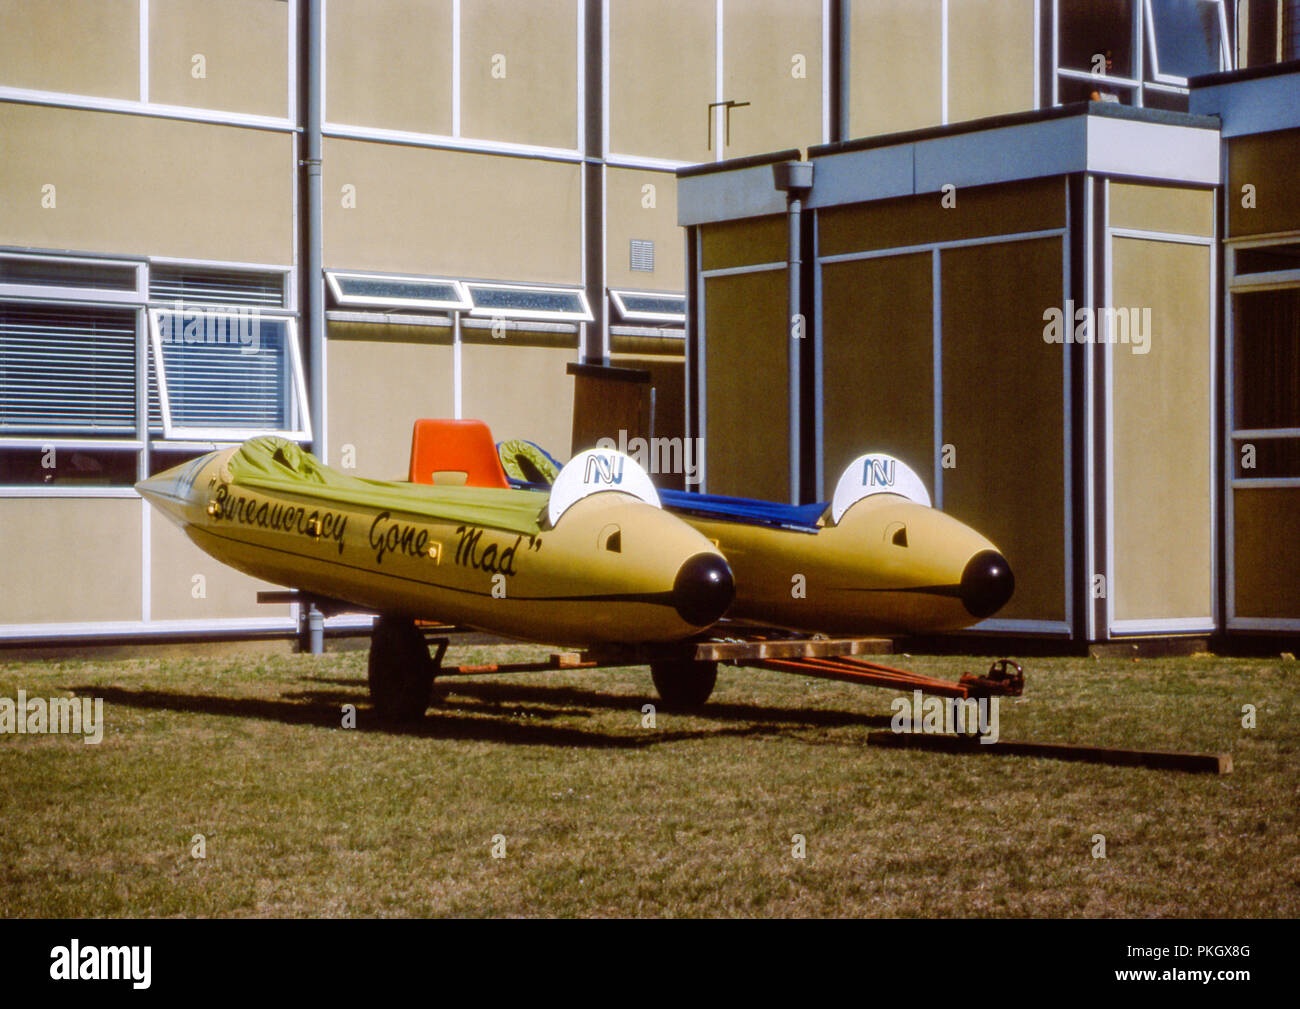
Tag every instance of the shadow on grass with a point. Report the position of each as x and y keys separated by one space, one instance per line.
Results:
x=496 y=694
x=484 y=719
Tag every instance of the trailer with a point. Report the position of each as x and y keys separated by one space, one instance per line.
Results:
x=406 y=657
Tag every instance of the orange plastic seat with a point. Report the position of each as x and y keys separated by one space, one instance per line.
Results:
x=442 y=450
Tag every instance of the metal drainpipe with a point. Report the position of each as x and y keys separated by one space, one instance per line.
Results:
x=314 y=277
x=794 y=178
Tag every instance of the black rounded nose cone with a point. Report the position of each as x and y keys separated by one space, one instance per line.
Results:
x=986 y=584
x=703 y=589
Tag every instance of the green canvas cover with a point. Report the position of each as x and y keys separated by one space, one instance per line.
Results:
x=274 y=464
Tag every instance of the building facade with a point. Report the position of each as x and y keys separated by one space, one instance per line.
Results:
x=326 y=218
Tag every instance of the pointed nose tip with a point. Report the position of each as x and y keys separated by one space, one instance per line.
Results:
x=150 y=489
x=162 y=492
x=986 y=584
x=703 y=589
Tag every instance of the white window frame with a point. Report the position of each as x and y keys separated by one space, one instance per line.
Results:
x=616 y=296
x=1143 y=35
x=1149 y=31
x=462 y=303
x=1247 y=283
x=173 y=432
x=544 y=315
x=58 y=292
x=288 y=288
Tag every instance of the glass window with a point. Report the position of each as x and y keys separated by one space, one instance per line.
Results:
x=1268 y=259
x=1097 y=28
x=163 y=457
x=228 y=374
x=1266 y=348
x=67 y=368
x=1261 y=43
x=46 y=271
x=634 y=306
x=517 y=301
x=1184 y=38
x=58 y=466
x=1071 y=89
x=386 y=291
x=208 y=285
x=1266 y=458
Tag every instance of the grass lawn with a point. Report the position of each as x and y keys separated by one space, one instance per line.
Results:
x=601 y=816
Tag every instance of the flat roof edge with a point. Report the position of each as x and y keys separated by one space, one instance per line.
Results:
x=735 y=164
x=1246 y=74
x=1110 y=110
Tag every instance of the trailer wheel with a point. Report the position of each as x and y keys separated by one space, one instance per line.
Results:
x=683 y=684
x=401 y=671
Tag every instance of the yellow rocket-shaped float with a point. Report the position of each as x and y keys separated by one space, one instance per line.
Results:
x=593 y=561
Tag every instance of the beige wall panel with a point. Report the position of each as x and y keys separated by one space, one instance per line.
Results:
x=627 y=216
x=130 y=184
x=388 y=64
x=83 y=47
x=245 y=49
x=70 y=560
x=763 y=39
x=536 y=99
x=1267 y=162
x=1161 y=412
x=520 y=392
x=896 y=75
x=662 y=70
x=991 y=58
x=1162 y=208
x=746 y=242
x=1004 y=414
x=746 y=439
x=1036 y=205
x=447 y=212
x=227 y=593
x=379 y=385
x=878 y=362
x=670 y=347
x=1266 y=552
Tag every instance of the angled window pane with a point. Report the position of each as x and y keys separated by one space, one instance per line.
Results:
x=205 y=285
x=523 y=302
x=227 y=374
x=634 y=306
x=1185 y=37
x=382 y=291
x=66 y=368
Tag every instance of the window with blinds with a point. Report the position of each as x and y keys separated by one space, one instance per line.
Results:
x=226 y=374
x=66 y=369
x=205 y=285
